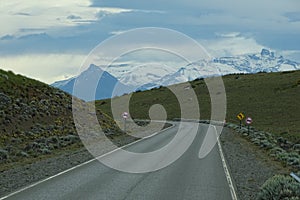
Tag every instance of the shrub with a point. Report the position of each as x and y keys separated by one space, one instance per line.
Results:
x=280 y=187
x=296 y=147
x=276 y=150
x=3 y=154
x=23 y=154
x=45 y=151
x=266 y=144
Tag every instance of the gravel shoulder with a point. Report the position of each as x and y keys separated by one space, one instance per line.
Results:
x=24 y=175
x=249 y=165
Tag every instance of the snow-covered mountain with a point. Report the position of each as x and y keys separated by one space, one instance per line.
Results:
x=265 y=61
x=136 y=75
x=88 y=78
x=132 y=77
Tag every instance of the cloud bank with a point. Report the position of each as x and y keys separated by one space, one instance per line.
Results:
x=70 y=29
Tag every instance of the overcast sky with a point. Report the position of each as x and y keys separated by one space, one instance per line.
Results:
x=48 y=40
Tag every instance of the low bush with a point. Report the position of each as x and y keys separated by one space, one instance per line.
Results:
x=279 y=148
x=3 y=155
x=280 y=187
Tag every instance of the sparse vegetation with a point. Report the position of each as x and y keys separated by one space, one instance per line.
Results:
x=280 y=187
x=279 y=148
x=36 y=120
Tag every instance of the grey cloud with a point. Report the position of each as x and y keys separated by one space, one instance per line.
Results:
x=30 y=30
x=293 y=16
x=72 y=17
x=197 y=19
x=22 y=14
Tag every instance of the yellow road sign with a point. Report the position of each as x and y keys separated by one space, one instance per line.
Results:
x=240 y=116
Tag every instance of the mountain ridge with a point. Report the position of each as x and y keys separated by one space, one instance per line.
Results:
x=265 y=61
x=144 y=77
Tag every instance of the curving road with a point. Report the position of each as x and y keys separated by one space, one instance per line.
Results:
x=187 y=178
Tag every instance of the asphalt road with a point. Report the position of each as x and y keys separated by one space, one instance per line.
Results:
x=187 y=178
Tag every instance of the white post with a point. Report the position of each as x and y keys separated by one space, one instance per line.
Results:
x=295 y=177
x=124 y=124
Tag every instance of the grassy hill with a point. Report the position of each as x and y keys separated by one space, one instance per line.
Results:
x=36 y=121
x=270 y=99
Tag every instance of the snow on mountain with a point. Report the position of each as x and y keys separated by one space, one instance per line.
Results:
x=192 y=71
x=132 y=77
x=189 y=73
x=136 y=75
x=266 y=61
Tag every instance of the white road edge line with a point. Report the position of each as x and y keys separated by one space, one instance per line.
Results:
x=228 y=176
x=82 y=164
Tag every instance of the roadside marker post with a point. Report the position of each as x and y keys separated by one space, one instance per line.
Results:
x=240 y=116
x=295 y=176
x=125 y=116
x=248 y=122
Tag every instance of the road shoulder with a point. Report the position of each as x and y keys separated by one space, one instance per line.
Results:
x=249 y=165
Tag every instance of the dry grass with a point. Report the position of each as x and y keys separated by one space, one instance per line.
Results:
x=270 y=99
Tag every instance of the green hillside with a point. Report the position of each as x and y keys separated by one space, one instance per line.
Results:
x=36 y=121
x=271 y=99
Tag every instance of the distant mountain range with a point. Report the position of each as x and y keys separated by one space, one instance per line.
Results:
x=266 y=61
x=144 y=77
